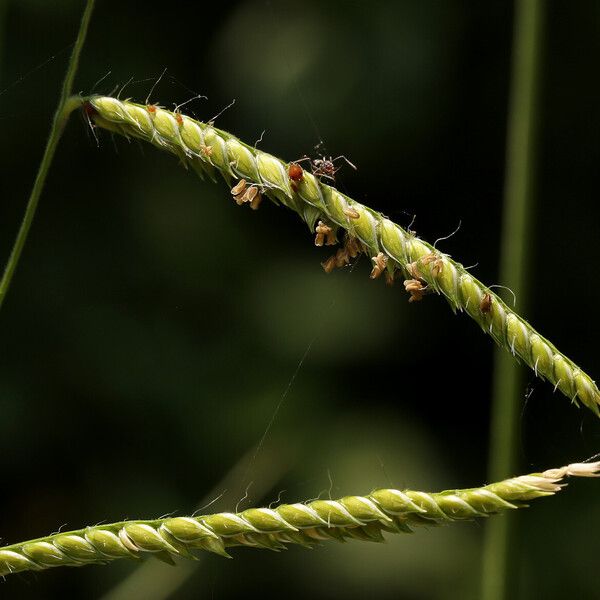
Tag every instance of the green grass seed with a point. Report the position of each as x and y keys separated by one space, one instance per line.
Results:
x=364 y=518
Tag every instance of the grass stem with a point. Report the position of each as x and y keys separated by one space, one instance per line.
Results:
x=66 y=105
x=514 y=272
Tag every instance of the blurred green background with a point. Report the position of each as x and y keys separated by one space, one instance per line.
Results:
x=153 y=326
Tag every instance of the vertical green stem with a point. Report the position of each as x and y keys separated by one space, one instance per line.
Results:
x=514 y=272
x=66 y=105
x=3 y=11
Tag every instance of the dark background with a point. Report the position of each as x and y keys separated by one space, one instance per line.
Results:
x=153 y=326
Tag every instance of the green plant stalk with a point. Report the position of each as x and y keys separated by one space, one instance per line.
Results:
x=363 y=518
x=3 y=12
x=66 y=105
x=499 y=556
x=210 y=151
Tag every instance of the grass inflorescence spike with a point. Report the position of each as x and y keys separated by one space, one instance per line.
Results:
x=211 y=151
x=364 y=518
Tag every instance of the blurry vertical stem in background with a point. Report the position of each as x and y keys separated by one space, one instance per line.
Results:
x=514 y=272
x=3 y=11
x=66 y=105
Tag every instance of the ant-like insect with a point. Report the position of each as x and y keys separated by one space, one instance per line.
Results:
x=325 y=167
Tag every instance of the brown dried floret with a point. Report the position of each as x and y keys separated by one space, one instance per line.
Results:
x=342 y=258
x=379 y=265
x=413 y=270
x=329 y=265
x=415 y=288
x=250 y=194
x=323 y=231
x=255 y=202
x=389 y=277
x=436 y=262
x=242 y=193
x=353 y=247
x=238 y=191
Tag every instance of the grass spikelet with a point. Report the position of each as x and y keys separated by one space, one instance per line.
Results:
x=210 y=150
x=352 y=517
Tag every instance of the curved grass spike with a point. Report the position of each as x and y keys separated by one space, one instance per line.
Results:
x=209 y=151
x=352 y=517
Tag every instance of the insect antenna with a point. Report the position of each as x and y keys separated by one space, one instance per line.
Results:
x=342 y=156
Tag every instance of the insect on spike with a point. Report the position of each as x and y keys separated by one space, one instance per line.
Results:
x=485 y=306
x=304 y=158
x=349 y=163
x=316 y=200
x=89 y=110
x=295 y=172
x=323 y=167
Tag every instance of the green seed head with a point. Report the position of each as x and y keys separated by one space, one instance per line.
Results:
x=209 y=150
x=353 y=517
